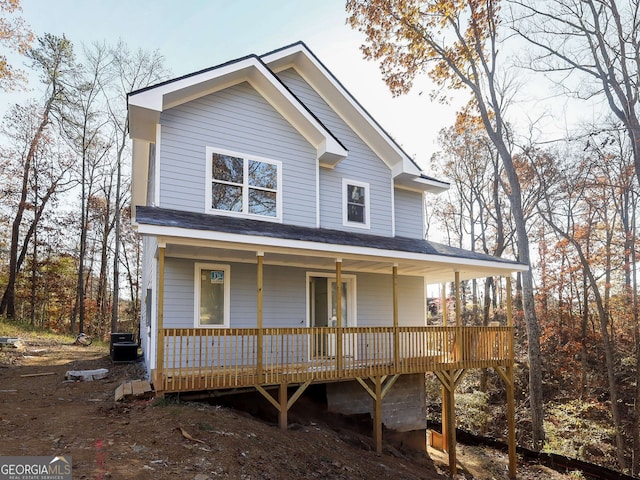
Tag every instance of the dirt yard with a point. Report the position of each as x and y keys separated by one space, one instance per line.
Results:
x=42 y=414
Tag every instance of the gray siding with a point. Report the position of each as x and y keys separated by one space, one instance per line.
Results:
x=178 y=293
x=403 y=408
x=409 y=214
x=375 y=300
x=285 y=300
x=285 y=305
x=284 y=295
x=238 y=119
x=361 y=164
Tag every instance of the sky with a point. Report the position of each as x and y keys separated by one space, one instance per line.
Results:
x=197 y=34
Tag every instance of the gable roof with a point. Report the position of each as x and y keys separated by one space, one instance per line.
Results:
x=404 y=169
x=418 y=255
x=146 y=104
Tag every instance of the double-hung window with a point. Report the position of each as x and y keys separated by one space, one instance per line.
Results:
x=244 y=185
x=212 y=295
x=355 y=203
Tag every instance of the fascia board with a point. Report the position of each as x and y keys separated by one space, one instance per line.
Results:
x=172 y=93
x=420 y=184
x=301 y=246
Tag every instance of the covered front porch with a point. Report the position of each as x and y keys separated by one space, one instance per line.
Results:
x=273 y=281
x=264 y=358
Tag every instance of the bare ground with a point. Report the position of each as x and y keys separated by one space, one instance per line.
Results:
x=42 y=414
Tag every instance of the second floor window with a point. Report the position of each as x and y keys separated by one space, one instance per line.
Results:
x=244 y=185
x=355 y=198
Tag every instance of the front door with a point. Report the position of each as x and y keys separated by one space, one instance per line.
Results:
x=324 y=313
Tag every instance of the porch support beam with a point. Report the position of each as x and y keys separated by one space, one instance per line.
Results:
x=448 y=380
x=283 y=404
x=260 y=275
x=282 y=396
x=396 y=337
x=159 y=382
x=339 y=315
x=381 y=386
x=508 y=378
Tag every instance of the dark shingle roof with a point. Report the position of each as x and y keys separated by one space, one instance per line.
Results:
x=244 y=226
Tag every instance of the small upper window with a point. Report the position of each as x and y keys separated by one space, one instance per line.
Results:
x=355 y=203
x=244 y=185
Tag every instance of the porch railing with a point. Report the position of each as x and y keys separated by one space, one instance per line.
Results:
x=204 y=359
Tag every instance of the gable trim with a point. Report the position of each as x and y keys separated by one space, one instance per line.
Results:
x=145 y=105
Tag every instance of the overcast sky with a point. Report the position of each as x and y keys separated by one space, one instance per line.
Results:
x=196 y=34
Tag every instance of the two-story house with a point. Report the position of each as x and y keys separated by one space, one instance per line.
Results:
x=284 y=245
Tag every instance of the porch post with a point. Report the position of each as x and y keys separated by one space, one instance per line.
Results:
x=160 y=340
x=445 y=415
x=339 y=315
x=458 y=300
x=284 y=409
x=448 y=395
x=511 y=435
x=459 y=340
x=443 y=306
x=396 y=338
x=260 y=258
x=448 y=379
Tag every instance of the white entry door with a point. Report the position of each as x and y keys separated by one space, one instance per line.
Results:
x=347 y=317
x=323 y=312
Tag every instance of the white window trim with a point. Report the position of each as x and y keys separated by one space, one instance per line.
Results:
x=367 y=204
x=245 y=191
x=227 y=293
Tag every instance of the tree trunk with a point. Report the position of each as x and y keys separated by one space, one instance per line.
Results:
x=7 y=305
x=536 y=399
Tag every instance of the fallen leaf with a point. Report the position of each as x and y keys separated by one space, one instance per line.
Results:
x=186 y=435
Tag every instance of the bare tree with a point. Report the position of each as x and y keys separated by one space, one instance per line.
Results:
x=579 y=206
x=54 y=59
x=595 y=47
x=83 y=126
x=130 y=71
